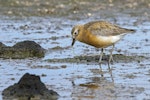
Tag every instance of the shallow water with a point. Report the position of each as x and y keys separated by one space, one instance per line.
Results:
x=79 y=81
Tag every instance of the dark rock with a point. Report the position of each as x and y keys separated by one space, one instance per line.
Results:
x=31 y=45
x=2 y=45
x=29 y=87
x=22 y=50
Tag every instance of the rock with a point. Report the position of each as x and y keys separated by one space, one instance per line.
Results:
x=2 y=45
x=22 y=50
x=29 y=87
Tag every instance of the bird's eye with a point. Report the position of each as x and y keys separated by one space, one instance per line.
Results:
x=75 y=33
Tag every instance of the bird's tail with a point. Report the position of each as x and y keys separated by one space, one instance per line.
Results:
x=128 y=30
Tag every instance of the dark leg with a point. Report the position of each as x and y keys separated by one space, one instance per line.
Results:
x=111 y=57
x=111 y=75
x=100 y=58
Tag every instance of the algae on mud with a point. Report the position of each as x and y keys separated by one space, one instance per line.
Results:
x=95 y=58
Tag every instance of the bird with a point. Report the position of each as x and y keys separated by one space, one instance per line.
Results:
x=100 y=34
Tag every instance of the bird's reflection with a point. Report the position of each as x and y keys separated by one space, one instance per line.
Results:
x=96 y=86
x=109 y=71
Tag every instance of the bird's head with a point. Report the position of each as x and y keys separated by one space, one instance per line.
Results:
x=75 y=33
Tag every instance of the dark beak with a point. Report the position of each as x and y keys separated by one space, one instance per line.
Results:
x=73 y=41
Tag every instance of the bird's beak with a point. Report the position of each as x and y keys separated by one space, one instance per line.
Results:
x=73 y=41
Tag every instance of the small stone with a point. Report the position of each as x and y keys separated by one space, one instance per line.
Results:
x=63 y=66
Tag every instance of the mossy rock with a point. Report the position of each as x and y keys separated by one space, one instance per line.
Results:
x=22 y=50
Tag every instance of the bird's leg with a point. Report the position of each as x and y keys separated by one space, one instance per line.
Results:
x=100 y=58
x=111 y=75
x=111 y=57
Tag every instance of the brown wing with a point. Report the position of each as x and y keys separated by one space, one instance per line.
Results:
x=104 y=28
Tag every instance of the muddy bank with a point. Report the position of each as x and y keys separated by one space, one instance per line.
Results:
x=29 y=87
x=74 y=9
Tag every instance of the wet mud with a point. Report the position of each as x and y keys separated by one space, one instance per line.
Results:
x=74 y=72
x=95 y=59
